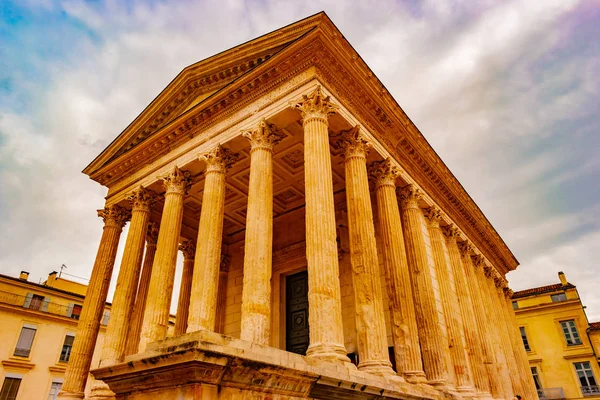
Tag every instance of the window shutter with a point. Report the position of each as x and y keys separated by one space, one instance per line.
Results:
x=28 y=300
x=45 y=304
x=70 y=309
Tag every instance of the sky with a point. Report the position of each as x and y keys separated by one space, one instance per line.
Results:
x=506 y=92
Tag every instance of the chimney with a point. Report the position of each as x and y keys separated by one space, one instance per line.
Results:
x=563 y=278
x=24 y=275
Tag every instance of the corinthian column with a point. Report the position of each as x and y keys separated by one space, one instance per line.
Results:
x=481 y=321
x=135 y=327
x=93 y=305
x=203 y=301
x=156 y=315
x=222 y=294
x=433 y=345
x=370 y=323
x=188 y=248
x=324 y=299
x=258 y=250
x=467 y=312
x=454 y=322
x=407 y=350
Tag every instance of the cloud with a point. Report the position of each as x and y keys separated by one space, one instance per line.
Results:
x=506 y=93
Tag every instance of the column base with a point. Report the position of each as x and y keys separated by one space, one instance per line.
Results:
x=415 y=377
x=328 y=352
x=70 y=395
x=381 y=368
x=484 y=396
x=100 y=391
x=467 y=391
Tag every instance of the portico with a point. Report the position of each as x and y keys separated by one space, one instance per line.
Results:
x=261 y=157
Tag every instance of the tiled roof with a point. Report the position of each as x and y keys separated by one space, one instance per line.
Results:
x=594 y=326
x=541 y=290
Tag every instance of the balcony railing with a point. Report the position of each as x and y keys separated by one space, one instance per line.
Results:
x=555 y=393
x=592 y=390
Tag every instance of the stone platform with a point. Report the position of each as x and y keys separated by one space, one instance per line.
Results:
x=208 y=365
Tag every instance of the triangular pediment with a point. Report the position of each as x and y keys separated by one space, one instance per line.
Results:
x=198 y=82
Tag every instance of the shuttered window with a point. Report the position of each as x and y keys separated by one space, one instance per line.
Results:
x=25 y=341
x=10 y=388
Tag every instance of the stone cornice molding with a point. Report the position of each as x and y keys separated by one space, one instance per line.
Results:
x=433 y=216
x=177 y=181
x=152 y=234
x=188 y=248
x=353 y=143
x=219 y=160
x=347 y=77
x=315 y=105
x=265 y=136
x=142 y=199
x=384 y=173
x=409 y=196
x=114 y=216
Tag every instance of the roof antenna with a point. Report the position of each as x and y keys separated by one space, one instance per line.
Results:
x=61 y=268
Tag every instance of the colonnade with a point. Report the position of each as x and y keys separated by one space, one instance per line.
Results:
x=452 y=325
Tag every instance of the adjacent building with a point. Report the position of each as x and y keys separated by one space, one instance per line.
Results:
x=562 y=347
x=328 y=250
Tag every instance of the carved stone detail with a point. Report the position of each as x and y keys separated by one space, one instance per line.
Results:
x=188 y=248
x=466 y=248
x=225 y=263
x=384 y=173
x=265 y=136
x=434 y=216
x=409 y=196
x=115 y=216
x=451 y=232
x=219 y=159
x=152 y=233
x=142 y=199
x=177 y=181
x=315 y=106
x=353 y=143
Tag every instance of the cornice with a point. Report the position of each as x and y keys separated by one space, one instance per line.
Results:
x=345 y=75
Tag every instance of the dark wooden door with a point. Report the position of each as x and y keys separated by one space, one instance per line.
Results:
x=297 y=338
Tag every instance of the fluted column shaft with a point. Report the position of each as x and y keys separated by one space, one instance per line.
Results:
x=222 y=294
x=481 y=320
x=205 y=284
x=503 y=325
x=494 y=330
x=93 y=305
x=117 y=330
x=156 y=315
x=527 y=384
x=467 y=312
x=135 y=327
x=454 y=322
x=433 y=346
x=370 y=323
x=258 y=250
x=407 y=350
x=324 y=297
x=188 y=248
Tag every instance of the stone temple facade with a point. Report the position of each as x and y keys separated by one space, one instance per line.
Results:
x=328 y=251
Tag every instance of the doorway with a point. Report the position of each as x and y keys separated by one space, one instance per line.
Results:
x=296 y=313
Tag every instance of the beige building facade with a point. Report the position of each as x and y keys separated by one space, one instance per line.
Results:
x=329 y=251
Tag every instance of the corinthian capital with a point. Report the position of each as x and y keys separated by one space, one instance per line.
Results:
x=265 y=136
x=315 y=106
x=142 y=199
x=225 y=262
x=188 y=248
x=152 y=233
x=451 y=232
x=219 y=160
x=409 y=196
x=114 y=216
x=384 y=173
x=177 y=181
x=434 y=216
x=508 y=292
x=478 y=260
x=353 y=143
x=465 y=248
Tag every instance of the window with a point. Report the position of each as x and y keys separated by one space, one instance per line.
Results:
x=570 y=331
x=25 y=341
x=536 y=378
x=586 y=378
x=54 y=389
x=76 y=311
x=66 y=349
x=10 y=387
x=559 y=297
x=515 y=305
x=524 y=337
x=36 y=302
